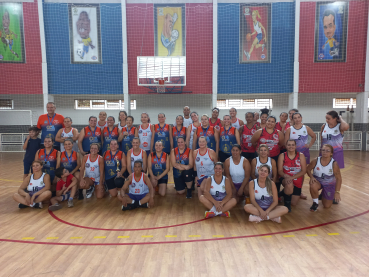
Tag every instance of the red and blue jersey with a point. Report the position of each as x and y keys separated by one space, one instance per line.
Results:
x=49 y=162
x=110 y=163
x=69 y=162
x=183 y=158
x=50 y=126
x=209 y=134
x=159 y=164
x=108 y=137
x=126 y=143
x=227 y=139
x=91 y=137
x=162 y=134
x=178 y=133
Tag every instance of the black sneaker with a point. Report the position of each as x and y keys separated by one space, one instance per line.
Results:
x=320 y=197
x=314 y=207
x=146 y=205
x=334 y=201
x=288 y=205
x=22 y=206
x=80 y=194
x=189 y=194
x=129 y=207
x=38 y=205
x=193 y=185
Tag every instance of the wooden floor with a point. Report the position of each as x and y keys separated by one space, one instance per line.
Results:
x=95 y=238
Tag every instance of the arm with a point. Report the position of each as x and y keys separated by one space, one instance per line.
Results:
x=240 y=132
x=275 y=199
x=123 y=162
x=237 y=134
x=255 y=137
x=126 y=185
x=75 y=134
x=129 y=168
x=280 y=165
x=36 y=156
x=281 y=138
x=265 y=34
x=58 y=160
x=344 y=125
x=26 y=142
x=120 y=135
x=190 y=160
x=207 y=194
x=102 y=172
x=80 y=139
x=136 y=132
x=194 y=142
x=213 y=155
x=241 y=122
x=275 y=171
x=82 y=173
x=227 y=172
x=337 y=174
x=188 y=136
x=144 y=157
x=151 y=190
x=321 y=136
x=287 y=135
x=171 y=137
x=149 y=166
x=228 y=188
x=312 y=135
x=253 y=166
x=216 y=136
x=152 y=147
x=247 y=169
x=23 y=186
x=166 y=170
x=58 y=137
x=174 y=162
x=310 y=167
x=73 y=184
x=78 y=164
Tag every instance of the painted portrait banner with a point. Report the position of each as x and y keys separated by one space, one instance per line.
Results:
x=84 y=33
x=255 y=33
x=331 y=31
x=11 y=33
x=169 y=29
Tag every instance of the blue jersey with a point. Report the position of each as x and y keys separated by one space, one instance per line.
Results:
x=159 y=164
x=49 y=162
x=162 y=134
x=178 y=133
x=183 y=158
x=110 y=163
x=91 y=137
x=108 y=137
x=32 y=147
x=227 y=139
x=69 y=162
x=209 y=134
x=126 y=143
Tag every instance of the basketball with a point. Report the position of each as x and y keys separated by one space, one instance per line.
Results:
x=248 y=37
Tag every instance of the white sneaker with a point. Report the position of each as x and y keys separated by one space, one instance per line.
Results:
x=90 y=191
x=255 y=218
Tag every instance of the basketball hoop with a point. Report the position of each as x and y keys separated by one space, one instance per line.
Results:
x=161 y=86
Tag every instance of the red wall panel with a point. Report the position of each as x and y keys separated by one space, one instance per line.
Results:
x=335 y=76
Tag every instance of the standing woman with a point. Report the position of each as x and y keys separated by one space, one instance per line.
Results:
x=113 y=178
x=237 y=169
x=263 y=117
x=49 y=157
x=144 y=132
x=326 y=177
x=182 y=162
x=229 y=136
x=126 y=135
x=246 y=133
x=90 y=134
x=191 y=130
x=162 y=132
x=270 y=136
x=159 y=165
x=218 y=194
x=237 y=123
x=290 y=115
x=178 y=131
x=136 y=154
x=67 y=132
x=204 y=159
x=70 y=159
x=332 y=133
x=282 y=124
x=102 y=123
x=292 y=168
x=122 y=120
x=38 y=187
x=109 y=133
x=211 y=135
x=214 y=121
x=263 y=159
x=264 y=198
x=300 y=134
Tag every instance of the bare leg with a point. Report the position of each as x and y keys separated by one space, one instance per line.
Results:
x=100 y=191
x=249 y=208
x=87 y=184
x=295 y=199
x=162 y=189
x=113 y=192
x=181 y=191
x=314 y=190
x=327 y=203
x=46 y=195
x=21 y=199
x=278 y=211
x=229 y=205
x=55 y=200
x=145 y=199
x=206 y=202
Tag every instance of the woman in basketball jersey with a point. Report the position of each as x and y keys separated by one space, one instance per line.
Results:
x=228 y=137
x=67 y=132
x=290 y=116
x=102 y=123
x=332 y=133
x=235 y=122
x=237 y=169
x=122 y=120
x=262 y=159
x=291 y=168
x=281 y=125
x=256 y=118
x=326 y=176
x=35 y=188
x=136 y=154
x=158 y=164
x=263 y=118
x=113 y=177
x=214 y=121
x=211 y=135
x=90 y=134
x=182 y=162
x=92 y=173
x=49 y=157
x=126 y=135
x=300 y=133
x=178 y=131
x=270 y=136
x=162 y=132
x=264 y=198
x=144 y=132
x=69 y=159
x=218 y=194
x=204 y=159
x=191 y=130
x=109 y=133
x=246 y=132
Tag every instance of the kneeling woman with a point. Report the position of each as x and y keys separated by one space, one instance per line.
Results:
x=38 y=187
x=93 y=170
x=218 y=194
x=264 y=198
x=159 y=165
x=115 y=165
x=326 y=177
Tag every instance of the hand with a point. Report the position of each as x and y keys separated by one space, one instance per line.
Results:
x=119 y=174
x=83 y=153
x=28 y=200
x=33 y=199
x=337 y=197
x=82 y=184
x=307 y=146
x=92 y=47
x=151 y=202
x=263 y=214
x=124 y=200
x=312 y=181
x=125 y=134
x=240 y=192
x=28 y=137
x=219 y=206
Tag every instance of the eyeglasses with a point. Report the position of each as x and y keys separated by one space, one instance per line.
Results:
x=326 y=150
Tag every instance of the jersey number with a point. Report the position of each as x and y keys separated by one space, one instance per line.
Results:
x=137 y=190
x=299 y=137
x=92 y=169
x=262 y=197
x=323 y=176
x=329 y=137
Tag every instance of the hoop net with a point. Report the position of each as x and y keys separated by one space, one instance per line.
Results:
x=161 y=86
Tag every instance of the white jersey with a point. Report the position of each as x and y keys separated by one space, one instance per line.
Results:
x=68 y=135
x=102 y=126
x=258 y=164
x=257 y=27
x=36 y=185
x=145 y=137
x=92 y=169
x=323 y=171
x=237 y=172
x=262 y=197
x=120 y=127
x=187 y=122
x=193 y=130
x=218 y=191
x=236 y=124
x=204 y=164
x=135 y=158
x=138 y=187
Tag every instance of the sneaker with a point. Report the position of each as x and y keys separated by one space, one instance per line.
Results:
x=129 y=207
x=70 y=203
x=209 y=214
x=226 y=214
x=288 y=205
x=334 y=201
x=277 y=219
x=314 y=207
x=255 y=218
x=189 y=194
x=146 y=205
x=90 y=191
x=54 y=207
x=80 y=194
x=22 y=206
x=38 y=205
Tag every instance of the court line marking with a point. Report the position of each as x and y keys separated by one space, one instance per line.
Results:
x=11 y=180
x=355 y=189
x=147 y=236
x=171 y=236
x=289 y=236
x=123 y=237
x=27 y=238
x=188 y=241
x=334 y=234
x=312 y=235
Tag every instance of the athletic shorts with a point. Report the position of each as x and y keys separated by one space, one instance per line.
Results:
x=296 y=191
x=296 y=182
x=27 y=167
x=223 y=156
x=65 y=196
x=136 y=197
x=179 y=184
x=249 y=155
x=237 y=186
x=199 y=181
x=328 y=191
x=147 y=152
x=259 y=36
x=111 y=184
x=162 y=181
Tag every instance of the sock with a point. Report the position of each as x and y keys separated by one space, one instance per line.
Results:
x=218 y=213
x=287 y=198
x=139 y=202
x=133 y=201
x=70 y=198
x=32 y=204
x=267 y=217
x=213 y=209
x=316 y=200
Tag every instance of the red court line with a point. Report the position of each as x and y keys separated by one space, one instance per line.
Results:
x=185 y=241
x=103 y=229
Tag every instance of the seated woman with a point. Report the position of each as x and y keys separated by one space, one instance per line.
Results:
x=182 y=162
x=237 y=169
x=218 y=194
x=115 y=164
x=38 y=188
x=326 y=176
x=159 y=165
x=49 y=157
x=292 y=168
x=264 y=198
x=93 y=171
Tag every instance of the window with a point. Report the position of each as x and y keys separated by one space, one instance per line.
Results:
x=244 y=103
x=84 y=104
x=342 y=103
x=6 y=104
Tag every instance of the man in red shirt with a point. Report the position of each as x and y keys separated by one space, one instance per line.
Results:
x=65 y=189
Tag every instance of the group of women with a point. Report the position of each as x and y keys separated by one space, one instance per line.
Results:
x=226 y=159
